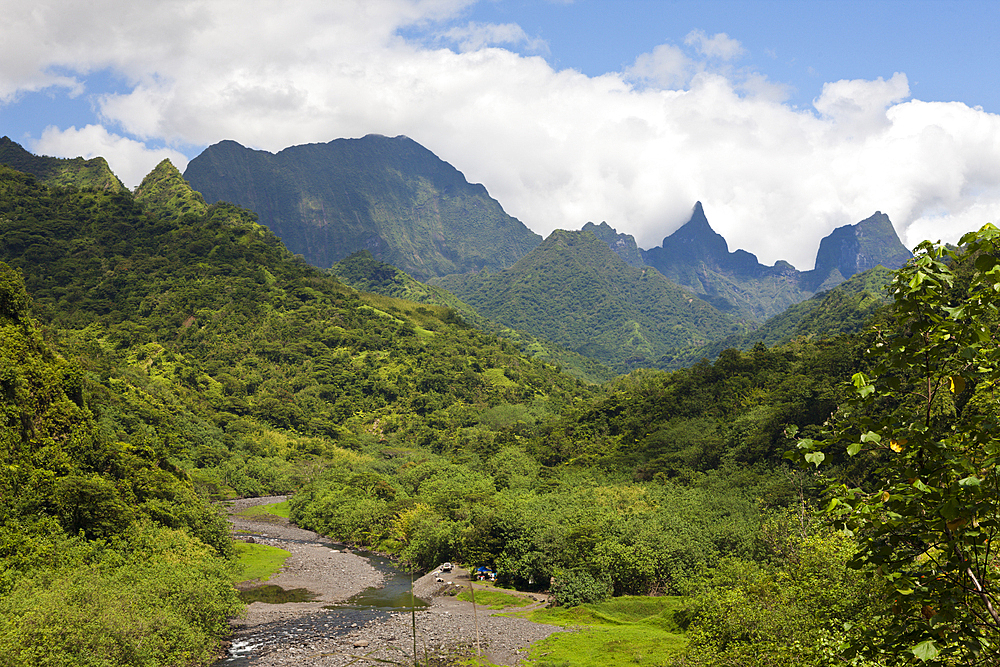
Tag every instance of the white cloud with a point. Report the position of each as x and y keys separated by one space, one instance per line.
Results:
x=665 y=67
x=130 y=160
x=475 y=36
x=556 y=148
x=719 y=45
x=860 y=105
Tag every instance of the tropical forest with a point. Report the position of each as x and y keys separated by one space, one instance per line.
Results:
x=690 y=480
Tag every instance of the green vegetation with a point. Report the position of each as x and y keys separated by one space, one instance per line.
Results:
x=389 y=195
x=365 y=273
x=258 y=561
x=276 y=509
x=167 y=358
x=495 y=599
x=574 y=291
x=844 y=310
x=623 y=631
x=926 y=417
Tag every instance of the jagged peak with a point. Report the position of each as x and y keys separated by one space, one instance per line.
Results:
x=697 y=231
x=165 y=192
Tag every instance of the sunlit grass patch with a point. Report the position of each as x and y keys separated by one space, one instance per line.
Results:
x=495 y=599
x=600 y=646
x=275 y=509
x=629 y=630
x=258 y=561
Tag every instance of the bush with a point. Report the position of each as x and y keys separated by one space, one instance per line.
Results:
x=576 y=587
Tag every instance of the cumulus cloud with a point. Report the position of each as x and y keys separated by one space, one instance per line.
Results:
x=475 y=36
x=719 y=45
x=131 y=160
x=557 y=148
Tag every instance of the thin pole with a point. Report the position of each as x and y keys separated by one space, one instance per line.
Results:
x=475 y=618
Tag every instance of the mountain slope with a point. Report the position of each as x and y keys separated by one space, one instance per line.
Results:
x=61 y=172
x=365 y=273
x=221 y=335
x=844 y=309
x=574 y=291
x=390 y=196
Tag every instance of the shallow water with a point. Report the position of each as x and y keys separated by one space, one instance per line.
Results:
x=335 y=620
x=394 y=594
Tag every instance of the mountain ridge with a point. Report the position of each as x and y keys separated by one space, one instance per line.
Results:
x=390 y=196
x=576 y=292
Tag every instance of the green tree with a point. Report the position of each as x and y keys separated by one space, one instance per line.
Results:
x=927 y=418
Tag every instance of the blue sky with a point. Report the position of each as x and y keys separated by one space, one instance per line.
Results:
x=786 y=119
x=947 y=48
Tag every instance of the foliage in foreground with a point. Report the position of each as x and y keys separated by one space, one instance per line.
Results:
x=927 y=418
x=105 y=550
x=152 y=596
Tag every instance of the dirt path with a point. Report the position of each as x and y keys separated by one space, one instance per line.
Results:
x=304 y=634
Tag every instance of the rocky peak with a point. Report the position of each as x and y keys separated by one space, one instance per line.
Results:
x=852 y=249
x=165 y=192
x=624 y=245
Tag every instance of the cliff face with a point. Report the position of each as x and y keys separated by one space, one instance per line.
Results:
x=697 y=257
x=390 y=196
x=855 y=248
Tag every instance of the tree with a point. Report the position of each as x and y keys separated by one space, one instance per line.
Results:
x=926 y=418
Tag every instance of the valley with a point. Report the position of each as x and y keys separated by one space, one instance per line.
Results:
x=588 y=419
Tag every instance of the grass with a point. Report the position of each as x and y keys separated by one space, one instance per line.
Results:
x=258 y=561
x=276 y=509
x=495 y=599
x=630 y=630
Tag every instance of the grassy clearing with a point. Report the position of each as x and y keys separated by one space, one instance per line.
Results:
x=629 y=630
x=258 y=561
x=495 y=599
x=277 y=509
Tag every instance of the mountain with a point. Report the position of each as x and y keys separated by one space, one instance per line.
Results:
x=845 y=309
x=852 y=249
x=697 y=257
x=623 y=244
x=60 y=172
x=365 y=273
x=165 y=193
x=390 y=196
x=574 y=291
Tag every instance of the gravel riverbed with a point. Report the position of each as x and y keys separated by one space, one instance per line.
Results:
x=312 y=634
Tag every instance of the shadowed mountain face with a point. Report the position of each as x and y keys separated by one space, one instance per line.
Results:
x=852 y=249
x=697 y=257
x=390 y=196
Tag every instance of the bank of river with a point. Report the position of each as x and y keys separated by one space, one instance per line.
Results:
x=330 y=631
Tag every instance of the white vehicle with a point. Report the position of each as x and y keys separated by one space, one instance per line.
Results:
x=446 y=567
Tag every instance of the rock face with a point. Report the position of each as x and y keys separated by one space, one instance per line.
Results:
x=855 y=248
x=390 y=196
x=697 y=257
x=624 y=245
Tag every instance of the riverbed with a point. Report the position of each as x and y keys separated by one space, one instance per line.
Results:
x=330 y=631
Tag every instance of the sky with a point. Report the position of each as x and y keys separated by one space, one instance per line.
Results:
x=786 y=119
